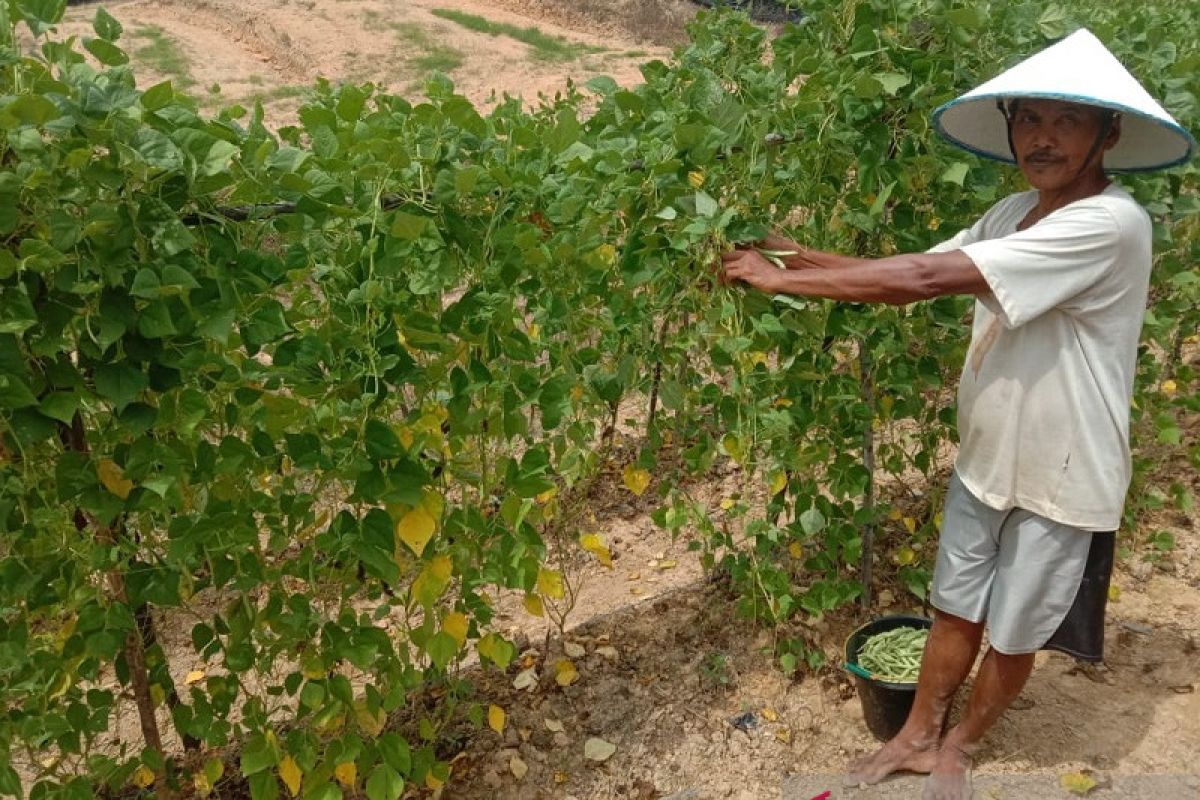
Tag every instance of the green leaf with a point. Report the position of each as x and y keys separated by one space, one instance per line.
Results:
x=893 y=82
x=259 y=753
x=812 y=521
x=10 y=782
x=157 y=150
x=384 y=784
x=408 y=226
x=106 y=27
x=396 y=752
x=41 y=15
x=60 y=406
x=120 y=383
x=16 y=310
x=955 y=173
x=32 y=109
x=158 y=96
x=106 y=52
x=1054 y=22
x=14 y=393
x=219 y=157
x=442 y=648
x=706 y=206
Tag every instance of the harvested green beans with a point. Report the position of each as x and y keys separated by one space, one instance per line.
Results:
x=895 y=655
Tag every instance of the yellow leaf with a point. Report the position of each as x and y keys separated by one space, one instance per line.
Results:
x=1114 y=593
x=203 y=787
x=534 y=331
x=1169 y=388
x=142 y=777
x=547 y=496
x=894 y=515
x=594 y=544
x=565 y=673
x=667 y=564
x=313 y=669
x=769 y=715
x=406 y=437
x=778 y=483
x=455 y=624
x=606 y=253
x=905 y=556
x=346 y=774
x=371 y=722
x=1077 y=782
x=550 y=583
x=796 y=550
x=733 y=447
x=910 y=525
x=937 y=520
x=758 y=357
x=195 y=676
x=113 y=478
x=561 y=777
x=433 y=782
x=726 y=504
x=533 y=605
x=416 y=528
x=696 y=178
x=289 y=772
x=497 y=719
x=636 y=479
x=576 y=393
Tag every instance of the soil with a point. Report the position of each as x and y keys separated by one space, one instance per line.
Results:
x=669 y=671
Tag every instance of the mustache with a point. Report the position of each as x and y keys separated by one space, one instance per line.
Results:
x=1043 y=157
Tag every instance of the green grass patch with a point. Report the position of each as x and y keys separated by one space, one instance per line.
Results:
x=162 y=54
x=268 y=96
x=422 y=52
x=545 y=46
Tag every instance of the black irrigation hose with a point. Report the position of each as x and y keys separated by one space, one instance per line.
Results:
x=760 y=10
x=219 y=214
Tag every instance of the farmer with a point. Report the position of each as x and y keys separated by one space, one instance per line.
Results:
x=1060 y=275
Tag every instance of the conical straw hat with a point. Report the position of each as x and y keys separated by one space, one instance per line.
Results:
x=1079 y=69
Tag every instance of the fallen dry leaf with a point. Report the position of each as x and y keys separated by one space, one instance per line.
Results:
x=518 y=767
x=195 y=676
x=574 y=649
x=608 y=652
x=553 y=725
x=565 y=672
x=526 y=679
x=497 y=718
x=596 y=749
x=636 y=479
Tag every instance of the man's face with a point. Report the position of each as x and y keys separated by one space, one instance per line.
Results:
x=1052 y=139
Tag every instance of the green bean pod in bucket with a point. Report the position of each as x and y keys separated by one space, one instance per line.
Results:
x=885 y=669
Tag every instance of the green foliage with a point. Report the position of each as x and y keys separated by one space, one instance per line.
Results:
x=325 y=437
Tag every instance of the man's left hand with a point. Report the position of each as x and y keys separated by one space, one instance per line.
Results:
x=749 y=266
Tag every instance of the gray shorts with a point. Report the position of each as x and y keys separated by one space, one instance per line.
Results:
x=1018 y=571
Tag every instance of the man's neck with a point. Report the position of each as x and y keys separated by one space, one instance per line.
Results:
x=1051 y=200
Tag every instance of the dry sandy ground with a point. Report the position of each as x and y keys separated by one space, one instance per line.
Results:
x=273 y=50
x=666 y=661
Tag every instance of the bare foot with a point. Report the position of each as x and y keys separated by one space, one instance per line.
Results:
x=898 y=755
x=950 y=778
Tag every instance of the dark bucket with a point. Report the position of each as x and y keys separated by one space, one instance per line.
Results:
x=885 y=705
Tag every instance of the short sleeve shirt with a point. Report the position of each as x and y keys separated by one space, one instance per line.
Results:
x=1043 y=404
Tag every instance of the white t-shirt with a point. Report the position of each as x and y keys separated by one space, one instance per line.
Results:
x=1043 y=404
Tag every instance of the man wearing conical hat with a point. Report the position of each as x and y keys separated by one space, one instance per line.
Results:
x=1061 y=275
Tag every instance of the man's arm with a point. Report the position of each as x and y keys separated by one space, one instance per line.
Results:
x=896 y=280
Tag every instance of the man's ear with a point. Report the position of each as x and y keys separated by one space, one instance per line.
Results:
x=1114 y=133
